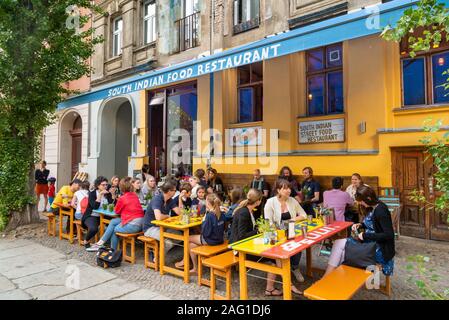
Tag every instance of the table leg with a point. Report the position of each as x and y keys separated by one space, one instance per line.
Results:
x=101 y=225
x=71 y=226
x=286 y=279
x=161 y=251
x=243 y=277
x=309 y=261
x=186 y=256
x=60 y=224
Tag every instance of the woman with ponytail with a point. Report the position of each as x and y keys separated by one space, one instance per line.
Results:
x=212 y=230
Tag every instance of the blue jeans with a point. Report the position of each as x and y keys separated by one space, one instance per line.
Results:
x=116 y=226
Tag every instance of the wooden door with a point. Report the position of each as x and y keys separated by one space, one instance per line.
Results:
x=76 y=153
x=411 y=171
x=156 y=139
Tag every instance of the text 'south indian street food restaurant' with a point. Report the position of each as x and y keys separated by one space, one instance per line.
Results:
x=332 y=95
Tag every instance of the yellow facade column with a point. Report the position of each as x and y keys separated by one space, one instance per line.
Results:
x=142 y=137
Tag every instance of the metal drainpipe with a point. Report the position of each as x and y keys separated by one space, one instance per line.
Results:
x=211 y=83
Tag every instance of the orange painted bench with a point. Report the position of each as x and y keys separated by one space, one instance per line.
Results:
x=221 y=265
x=80 y=231
x=129 y=239
x=51 y=224
x=204 y=252
x=150 y=244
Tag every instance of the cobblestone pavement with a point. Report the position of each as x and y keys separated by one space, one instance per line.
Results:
x=174 y=287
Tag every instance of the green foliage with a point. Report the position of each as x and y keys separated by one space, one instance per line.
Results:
x=263 y=225
x=429 y=15
x=40 y=50
x=424 y=278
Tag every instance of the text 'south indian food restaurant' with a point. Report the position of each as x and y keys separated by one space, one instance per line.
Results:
x=332 y=95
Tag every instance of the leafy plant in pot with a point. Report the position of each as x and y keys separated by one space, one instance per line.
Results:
x=264 y=227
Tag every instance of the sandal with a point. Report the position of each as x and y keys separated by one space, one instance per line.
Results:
x=270 y=293
x=296 y=291
x=178 y=266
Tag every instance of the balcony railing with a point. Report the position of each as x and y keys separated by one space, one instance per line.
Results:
x=187 y=29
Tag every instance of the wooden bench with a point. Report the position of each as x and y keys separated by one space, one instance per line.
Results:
x=221 y=265
x=129 y=239
x=80 y=231
x=51 y=224
x=342 y=284
x=150 y=244
x=80 y=176
x=204 y=252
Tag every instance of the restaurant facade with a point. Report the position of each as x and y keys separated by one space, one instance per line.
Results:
x=331 y=94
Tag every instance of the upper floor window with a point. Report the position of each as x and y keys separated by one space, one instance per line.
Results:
x=246 y=15
x=187 y=28
x=149 y=22
x=250 y=92
x=117 y=36
x=325 y=80
x=423 y=79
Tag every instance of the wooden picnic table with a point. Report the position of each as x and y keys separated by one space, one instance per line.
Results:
x=175 y=224
x=283 y=250
x=65 y=210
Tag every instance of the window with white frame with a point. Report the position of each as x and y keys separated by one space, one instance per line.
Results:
x=117 y=31
x=149 y=22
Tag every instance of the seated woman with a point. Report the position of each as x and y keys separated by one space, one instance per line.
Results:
x=137 y=188
x=114 y=188
x=356 y=181
x=214 y=182
x=91 y=220
x=236 y=197
x=378 y=228
x=131 y=216
x=149 y=187
x=244 y=226
x=212 y=230
x=283 y=207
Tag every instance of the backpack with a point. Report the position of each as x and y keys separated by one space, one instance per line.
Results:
x=83 y=204
x=109 y=258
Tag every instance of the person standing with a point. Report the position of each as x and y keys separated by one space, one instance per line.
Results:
x=144 y=173
x=310 y=190
x=337 y=199
x=51 y=190
x=41 y=179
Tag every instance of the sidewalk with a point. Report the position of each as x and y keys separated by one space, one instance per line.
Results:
x=32 y=271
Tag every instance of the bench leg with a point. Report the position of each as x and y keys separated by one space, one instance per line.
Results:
x=200 y=270
x=133 y=251
x=228 y=283
x=156 y=255
x=387 y=288
x=212 y=284
x=79 y=233
x=146 y=255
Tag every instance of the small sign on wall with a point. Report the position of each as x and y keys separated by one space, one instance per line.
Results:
x=240 y=137
x=322 y=131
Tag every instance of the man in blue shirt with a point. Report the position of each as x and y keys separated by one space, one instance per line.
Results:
x=159 y=209
x=310 y=189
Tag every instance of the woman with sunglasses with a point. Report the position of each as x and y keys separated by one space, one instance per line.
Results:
x=97 y=197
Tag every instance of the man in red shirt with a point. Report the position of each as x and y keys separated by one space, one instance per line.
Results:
x=131 y=216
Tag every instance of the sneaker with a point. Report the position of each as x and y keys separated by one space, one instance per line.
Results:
x=298 y=275
x=93 y=248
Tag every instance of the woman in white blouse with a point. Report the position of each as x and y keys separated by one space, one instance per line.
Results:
x=280 y=208
x=356 y=181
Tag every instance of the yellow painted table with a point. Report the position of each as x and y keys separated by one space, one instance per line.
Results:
x=65 y=210
x=282 y=250
x=175 y=224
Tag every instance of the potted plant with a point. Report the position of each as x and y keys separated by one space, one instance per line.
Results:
x=327 y=215
x=185 y=219
x=264 y=227
x=148 y=198
x=111 y=207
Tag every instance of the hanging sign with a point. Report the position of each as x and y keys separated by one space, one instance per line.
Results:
x=324 y=131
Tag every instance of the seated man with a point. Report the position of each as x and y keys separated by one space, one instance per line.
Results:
x=159 y=209
x=337 y=199
x=64 y=197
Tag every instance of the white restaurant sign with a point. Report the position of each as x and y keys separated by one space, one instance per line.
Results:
x=322 y=131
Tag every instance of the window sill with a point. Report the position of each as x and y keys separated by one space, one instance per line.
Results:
x=324 y=116
x=246 y=26
x=146 y=46
x=421 y=109
x=245 y=124
x=114 y=58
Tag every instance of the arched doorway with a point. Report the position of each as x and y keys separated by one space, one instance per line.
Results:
x=115 y=143
x=70 y=146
